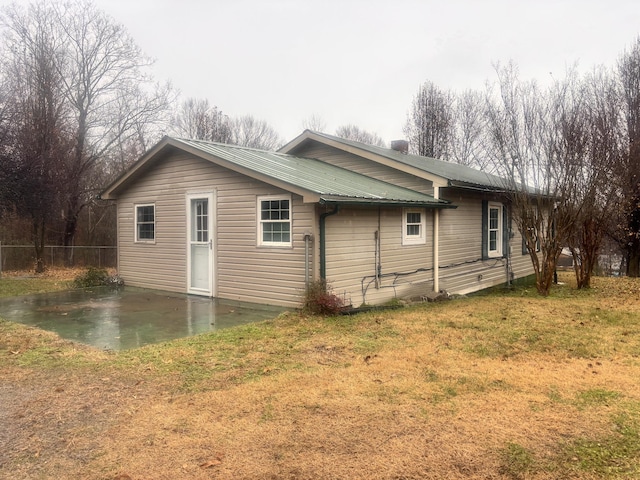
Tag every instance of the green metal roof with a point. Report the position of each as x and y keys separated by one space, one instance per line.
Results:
x=326 y=183
x=333 y=184
x=457 y=175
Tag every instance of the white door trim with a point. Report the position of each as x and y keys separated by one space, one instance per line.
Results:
x=209 y=289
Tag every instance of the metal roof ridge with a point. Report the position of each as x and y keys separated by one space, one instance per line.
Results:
x=317 y=170
x=492 y=180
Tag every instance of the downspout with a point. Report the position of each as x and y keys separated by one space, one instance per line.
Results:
x=436 y=242
x=508 y=252
x=307 y=241
x=378 y=253
x=375 y=258
x=323 y=260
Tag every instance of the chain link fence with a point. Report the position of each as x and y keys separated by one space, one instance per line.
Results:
x=22 y=257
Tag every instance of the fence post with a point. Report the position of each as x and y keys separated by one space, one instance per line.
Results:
x=0 y=259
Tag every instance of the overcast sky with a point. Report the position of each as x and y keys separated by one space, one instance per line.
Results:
x=362 y=61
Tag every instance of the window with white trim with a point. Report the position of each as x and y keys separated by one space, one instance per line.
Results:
x=413 y=226
x=274 y=221
x=145 y=223
x=494 y=230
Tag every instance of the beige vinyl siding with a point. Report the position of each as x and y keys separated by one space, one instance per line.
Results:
x=242 y=270
x=351 y=256
x=363 y=166
x=462 y=269
x=272 y=275
x=520 y=264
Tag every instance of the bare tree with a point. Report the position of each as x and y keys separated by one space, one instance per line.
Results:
x=315 y=123
x=529 y=154
x=352 y=132
x=197 y=119
x=33 y=155
x=107 y=85
x=429 y=126
x=103 y=78
x=468 y=133
x=247 y=131
x=629 y=167
x=596 y=189
x=575 y=172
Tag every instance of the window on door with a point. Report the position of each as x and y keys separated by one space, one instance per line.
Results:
x=200 y=220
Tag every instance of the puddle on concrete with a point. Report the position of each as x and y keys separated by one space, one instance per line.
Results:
x=129 y=317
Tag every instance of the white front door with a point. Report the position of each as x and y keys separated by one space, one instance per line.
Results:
x=200 y=249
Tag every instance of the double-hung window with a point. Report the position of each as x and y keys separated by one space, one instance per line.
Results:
x=494 y=229
x=274 y=221
x=145 y=223
x=413 y=226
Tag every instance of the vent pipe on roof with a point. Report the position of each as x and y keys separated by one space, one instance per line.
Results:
x=401 y=146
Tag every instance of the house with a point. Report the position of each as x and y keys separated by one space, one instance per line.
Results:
x=250 y=225
x=474 y=246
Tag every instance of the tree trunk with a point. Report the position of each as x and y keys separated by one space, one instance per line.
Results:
x=545 y=271
x=38 y=244
x=586 y=255
x=70 y=226
x=633 y=263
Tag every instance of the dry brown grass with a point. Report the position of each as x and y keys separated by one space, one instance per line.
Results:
x=506 y=386
x=53 y=273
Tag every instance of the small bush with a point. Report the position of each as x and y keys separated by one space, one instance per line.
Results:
x=319 y=300
x=94 y=277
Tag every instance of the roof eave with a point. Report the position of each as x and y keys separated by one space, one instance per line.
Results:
x=503 y=190
x=384 y=202
x=109 y=192
x=308 y=196
x=309 y=135
x=476 y=187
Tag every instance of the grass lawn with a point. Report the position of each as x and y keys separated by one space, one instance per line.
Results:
x=505 y=385
x=14 y=284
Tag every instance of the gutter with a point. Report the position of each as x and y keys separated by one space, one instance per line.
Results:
x=323 y=260
x=360 y=202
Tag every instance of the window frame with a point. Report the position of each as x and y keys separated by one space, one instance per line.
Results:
x=504 y=230
x=200 y=222
x=138 y=223
x=497 y=252
x=421 y=238
x=261 y=242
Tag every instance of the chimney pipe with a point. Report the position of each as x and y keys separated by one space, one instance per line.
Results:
x=401 y=146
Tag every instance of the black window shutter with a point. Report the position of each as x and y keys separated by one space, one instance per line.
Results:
x=505 y=231
x=485 y=229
